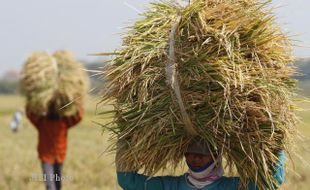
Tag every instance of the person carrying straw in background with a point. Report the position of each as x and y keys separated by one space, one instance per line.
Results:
x=52 y=146
x=54 y=86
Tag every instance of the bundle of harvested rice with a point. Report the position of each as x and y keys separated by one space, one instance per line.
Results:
x=39 y=80
x=72 y=83
x=220 y=70
x=64 y=57
x=58 y=78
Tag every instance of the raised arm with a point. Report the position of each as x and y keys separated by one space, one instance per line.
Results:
x=135 y=181
x=34 y=119
x=278 y=174
x=75 y=119
x=279 y=169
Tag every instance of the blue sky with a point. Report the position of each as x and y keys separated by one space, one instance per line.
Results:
x=92 y=26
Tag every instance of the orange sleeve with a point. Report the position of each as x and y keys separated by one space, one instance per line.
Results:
x=34 y=119
x=73 y=120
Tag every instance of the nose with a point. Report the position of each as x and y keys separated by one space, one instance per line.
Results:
x=197 y=158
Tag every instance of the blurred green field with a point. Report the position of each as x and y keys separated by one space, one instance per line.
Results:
x=86 y=165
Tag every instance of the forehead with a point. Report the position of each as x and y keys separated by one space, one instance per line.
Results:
x=189 y=154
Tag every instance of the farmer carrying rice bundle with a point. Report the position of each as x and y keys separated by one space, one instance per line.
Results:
x=216 y=70
x=205 y=172
x=54 y=105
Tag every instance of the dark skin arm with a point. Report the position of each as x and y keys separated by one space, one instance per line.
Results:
x=75 y=119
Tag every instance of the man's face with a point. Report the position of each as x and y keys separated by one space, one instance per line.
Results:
x=197 y=161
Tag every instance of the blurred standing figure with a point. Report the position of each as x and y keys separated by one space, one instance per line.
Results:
x=16 y=122
x=53 y=129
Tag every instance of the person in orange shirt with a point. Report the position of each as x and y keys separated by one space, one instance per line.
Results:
x=52 y=146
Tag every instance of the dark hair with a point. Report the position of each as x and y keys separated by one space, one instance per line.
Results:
x=53 y=111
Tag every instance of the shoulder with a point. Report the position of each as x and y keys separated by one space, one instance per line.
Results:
x=229 y=183
x=133 y=180
x=168 y=178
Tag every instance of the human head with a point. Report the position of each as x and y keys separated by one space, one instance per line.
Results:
x=199 y=154
x=53 y=111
